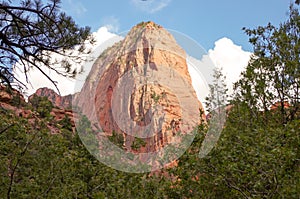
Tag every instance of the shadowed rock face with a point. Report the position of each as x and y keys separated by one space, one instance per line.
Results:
x=141 y=87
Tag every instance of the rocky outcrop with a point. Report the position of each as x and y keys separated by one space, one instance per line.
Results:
x=64 y=102
x=5 y=96
x=10 y=95
x=12 y=100
x=141 y=87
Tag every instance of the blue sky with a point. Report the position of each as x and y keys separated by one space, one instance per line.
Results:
x=203 y=21
x=215 y=25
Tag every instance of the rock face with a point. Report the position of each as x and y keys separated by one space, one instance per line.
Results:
x=63 y=105
x=5 y=96
x=10 y=95
x=141 y=87
x=13 y=100
x=64 y=102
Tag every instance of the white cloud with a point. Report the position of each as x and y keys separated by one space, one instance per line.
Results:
x=231 y=57
x=65 y=85
x=151 y=6
x=225 y=54
x=200 y=71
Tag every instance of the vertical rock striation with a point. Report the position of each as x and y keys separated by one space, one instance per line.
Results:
x=141 y=87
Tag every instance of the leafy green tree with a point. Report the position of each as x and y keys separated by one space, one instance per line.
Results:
x=256 y=156
x=273 y=74
x=216 y=103
x=218 y=95
x=32 y=32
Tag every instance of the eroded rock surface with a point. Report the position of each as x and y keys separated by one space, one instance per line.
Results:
x=141 y=87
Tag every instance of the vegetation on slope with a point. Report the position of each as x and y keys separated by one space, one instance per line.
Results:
x=257 y=155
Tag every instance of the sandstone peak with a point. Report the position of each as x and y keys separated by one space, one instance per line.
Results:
x=141 y=87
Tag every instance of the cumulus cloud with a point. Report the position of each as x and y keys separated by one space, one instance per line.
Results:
x=66 y=86
x=151 y=6
x=231 y=57
x=200 y=72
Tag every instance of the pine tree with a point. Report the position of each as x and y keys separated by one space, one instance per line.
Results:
x=34 y=32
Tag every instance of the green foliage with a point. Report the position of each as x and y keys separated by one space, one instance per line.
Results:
x=138 y=143
x=155 y=97
x=218 y=96
x=32 y=32
x=41 y=105
x=273 y=74
x=84 y=125
x=66 y=123
x=257 y=155
x=37 y=164
x=117 y=139
x=253 y=161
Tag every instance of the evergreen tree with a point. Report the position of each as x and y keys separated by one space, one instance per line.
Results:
x=34 y=32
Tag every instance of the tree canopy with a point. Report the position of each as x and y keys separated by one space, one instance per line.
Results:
x=273 y=74
x=257 y=155
x=33 y=32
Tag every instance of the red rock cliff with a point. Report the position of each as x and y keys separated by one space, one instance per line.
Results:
x=64 y=102
x=141 y=87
